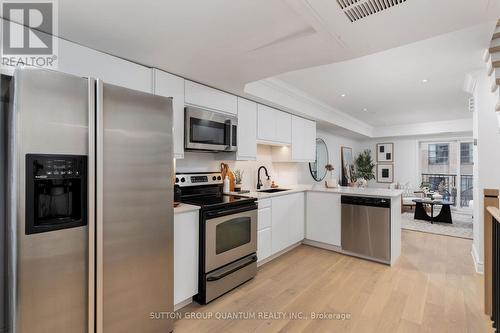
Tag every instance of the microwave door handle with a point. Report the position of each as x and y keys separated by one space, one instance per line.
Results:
x=229 y=133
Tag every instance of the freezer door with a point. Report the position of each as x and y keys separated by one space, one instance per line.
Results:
x=134 y=204
x=48 y=271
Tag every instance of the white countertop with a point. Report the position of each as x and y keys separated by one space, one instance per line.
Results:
x=354 y=191
x=184 y=208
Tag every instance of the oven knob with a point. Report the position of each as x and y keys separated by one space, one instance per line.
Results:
x=183 y=180
x=214 y=178
x=218 y=178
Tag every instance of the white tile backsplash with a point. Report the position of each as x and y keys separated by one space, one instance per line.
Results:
x=282 y=173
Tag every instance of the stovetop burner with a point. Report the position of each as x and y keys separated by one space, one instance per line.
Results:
x=214 y=200
x=205 y=190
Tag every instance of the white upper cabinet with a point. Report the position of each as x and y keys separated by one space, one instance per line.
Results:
x=82 y=61
x=247 y=130
x=199 y=95
x=273 y=126
x=303 y=140
x=169 y=85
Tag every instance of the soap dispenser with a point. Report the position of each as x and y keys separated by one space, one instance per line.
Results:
x=268 y=182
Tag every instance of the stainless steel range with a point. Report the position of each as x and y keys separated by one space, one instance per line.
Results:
x=228 y=234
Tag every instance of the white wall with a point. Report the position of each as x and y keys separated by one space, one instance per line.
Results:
x=282 y=173
x=406 y=168
x=406 y=158
x=486 y=157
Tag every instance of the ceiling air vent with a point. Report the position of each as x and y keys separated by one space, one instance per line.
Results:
x=356 y=10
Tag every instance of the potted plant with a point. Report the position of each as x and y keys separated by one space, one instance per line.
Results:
x=330 y=181
x=364 y=168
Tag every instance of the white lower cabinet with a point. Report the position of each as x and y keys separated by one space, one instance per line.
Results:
x=186 y=231
x=323 y=218
x=264 y=246
x=287 y=221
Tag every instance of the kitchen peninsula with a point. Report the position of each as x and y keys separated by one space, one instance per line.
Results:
x=314 y=215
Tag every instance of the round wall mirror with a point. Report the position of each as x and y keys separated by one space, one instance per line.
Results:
x=317 y=168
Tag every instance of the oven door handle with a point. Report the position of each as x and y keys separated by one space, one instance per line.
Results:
x=222 y=275
x=211 y=215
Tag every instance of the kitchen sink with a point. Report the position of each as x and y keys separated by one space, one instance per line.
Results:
x=273 y=190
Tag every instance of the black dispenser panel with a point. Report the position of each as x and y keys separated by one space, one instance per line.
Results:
x=56 y=192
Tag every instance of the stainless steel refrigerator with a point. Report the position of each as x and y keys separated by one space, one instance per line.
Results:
x=90 y=217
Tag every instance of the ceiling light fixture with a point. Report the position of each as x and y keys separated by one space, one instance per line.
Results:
x=425 y=81
x=343 y=95
x=365 y=109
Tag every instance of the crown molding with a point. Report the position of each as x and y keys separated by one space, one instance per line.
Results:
x=286 y=96
x=277 y=92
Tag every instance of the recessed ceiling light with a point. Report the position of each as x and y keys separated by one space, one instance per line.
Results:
x=365 y=109
x=425 y=81
x=343 y=95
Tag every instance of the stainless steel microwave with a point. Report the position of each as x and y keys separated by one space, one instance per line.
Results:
x=209 y=131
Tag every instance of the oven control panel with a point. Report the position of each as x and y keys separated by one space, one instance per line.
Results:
x=196 y=179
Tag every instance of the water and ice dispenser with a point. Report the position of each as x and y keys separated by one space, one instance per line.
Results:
x=56 y=192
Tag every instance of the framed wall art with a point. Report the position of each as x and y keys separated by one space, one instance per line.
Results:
x=347 y=166
x=385 y=173
x=385 y=152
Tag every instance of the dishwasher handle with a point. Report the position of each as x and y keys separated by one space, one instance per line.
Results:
x=366 y=201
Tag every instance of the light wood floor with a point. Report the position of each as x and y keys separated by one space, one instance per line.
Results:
x=432 y=288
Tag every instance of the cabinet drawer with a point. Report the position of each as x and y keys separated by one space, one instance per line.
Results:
x=263 y=203
x=264 y=218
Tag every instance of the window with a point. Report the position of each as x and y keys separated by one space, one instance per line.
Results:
x=438 y=153
x=466 y=153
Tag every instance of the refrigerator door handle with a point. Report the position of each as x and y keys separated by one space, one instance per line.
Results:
x=91 y=204
x=99 y=277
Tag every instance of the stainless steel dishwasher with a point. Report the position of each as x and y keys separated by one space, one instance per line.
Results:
x=366 y=227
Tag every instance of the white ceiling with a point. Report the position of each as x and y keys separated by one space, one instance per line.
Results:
x=389 y=84
x=227 y=43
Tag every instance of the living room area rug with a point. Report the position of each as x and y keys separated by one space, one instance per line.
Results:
x=461 y=226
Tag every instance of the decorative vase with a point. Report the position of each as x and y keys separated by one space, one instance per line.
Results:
x=363 y=183
x=331 y=182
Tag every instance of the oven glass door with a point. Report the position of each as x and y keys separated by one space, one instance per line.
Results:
x=229 y=238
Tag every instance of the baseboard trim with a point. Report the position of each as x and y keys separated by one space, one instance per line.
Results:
x=276 y=255
x=182 y=304
x=322 y=245
x=338 y=249
x=478 y=264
